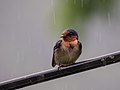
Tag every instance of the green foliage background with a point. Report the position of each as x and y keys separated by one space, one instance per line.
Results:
x=74 y=13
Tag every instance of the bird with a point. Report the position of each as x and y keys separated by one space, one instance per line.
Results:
x=67 y=50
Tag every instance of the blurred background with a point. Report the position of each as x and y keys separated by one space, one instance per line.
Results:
x=30 y=28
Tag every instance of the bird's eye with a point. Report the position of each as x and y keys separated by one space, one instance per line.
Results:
x=71 y=33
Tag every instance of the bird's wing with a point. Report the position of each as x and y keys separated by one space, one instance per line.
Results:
x=57 y=45
x=80 y=47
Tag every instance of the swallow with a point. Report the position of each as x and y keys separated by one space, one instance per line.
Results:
x=67 y=50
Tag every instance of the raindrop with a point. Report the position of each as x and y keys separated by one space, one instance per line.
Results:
x=52 y=3
x=82 y=3
x=92 y=89
x=16 y=63
x=67 y=1
x=75 y=1
x=53 y=13
x=99 y=36
x=109 y=19
x=54 y=17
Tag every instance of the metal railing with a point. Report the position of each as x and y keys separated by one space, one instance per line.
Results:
x=51 y=74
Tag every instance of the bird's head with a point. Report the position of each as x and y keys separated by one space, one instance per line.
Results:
x=69 y=35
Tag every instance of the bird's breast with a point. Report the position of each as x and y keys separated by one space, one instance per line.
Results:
x=67 y=55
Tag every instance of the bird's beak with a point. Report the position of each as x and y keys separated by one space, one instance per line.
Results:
x=62 y=36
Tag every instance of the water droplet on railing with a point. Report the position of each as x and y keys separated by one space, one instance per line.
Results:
x=112 y=57
x=103 y=61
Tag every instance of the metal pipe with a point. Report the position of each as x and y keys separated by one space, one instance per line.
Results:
x=51 y=74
